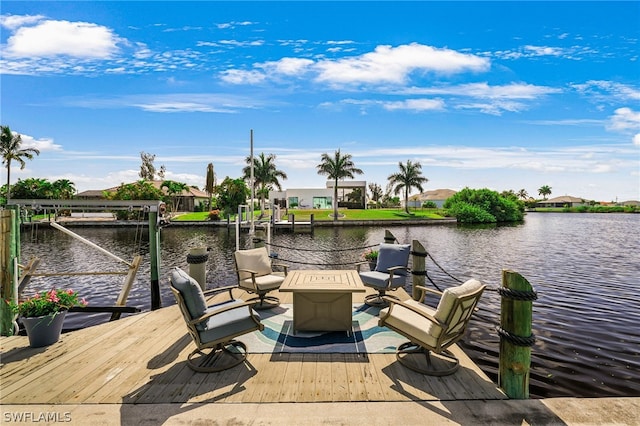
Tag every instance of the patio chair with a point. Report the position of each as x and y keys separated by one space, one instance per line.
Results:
x=431 y=332
x=389 y=274
x=213 y=327
x=256 y=275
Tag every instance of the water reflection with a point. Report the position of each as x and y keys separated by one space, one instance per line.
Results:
x=584 y=267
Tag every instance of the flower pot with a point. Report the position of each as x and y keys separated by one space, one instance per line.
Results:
x=44 y=330
x=372 y=265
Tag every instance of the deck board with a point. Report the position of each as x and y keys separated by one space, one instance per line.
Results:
x=141 y=359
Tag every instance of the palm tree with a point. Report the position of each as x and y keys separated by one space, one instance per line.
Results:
x=265 y=176
x=63 y=189
x=10 y=150
x=210 y=184
x=337 y=168
x=522 y=194
x=376 y=192
x=544 y=191
x=174 y=189
x=409 y=176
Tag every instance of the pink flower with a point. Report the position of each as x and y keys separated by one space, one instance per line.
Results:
x=84 y=302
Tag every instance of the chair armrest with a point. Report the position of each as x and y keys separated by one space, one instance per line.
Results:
x=283 y=266
x=393 y=302
x=219 y=290
x=221 y=310
x=424 y=290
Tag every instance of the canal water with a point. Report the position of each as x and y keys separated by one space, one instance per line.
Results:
x=584 y=267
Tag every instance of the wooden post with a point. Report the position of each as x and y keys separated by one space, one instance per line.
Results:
x=418 y=262
x=154 y=254
x=312 y=221
x=292 y=219
x=8 y=271
x=389 y=238
x=126 y=286
x=515 y=334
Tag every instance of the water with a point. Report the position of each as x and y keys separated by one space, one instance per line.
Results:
x=585 y=268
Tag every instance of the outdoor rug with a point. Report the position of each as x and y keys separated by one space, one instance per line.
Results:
x=365 y=337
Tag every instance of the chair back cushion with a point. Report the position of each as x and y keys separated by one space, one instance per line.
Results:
x=190 y=291
x=390 y=255
x=256 y=259
x=457 y=303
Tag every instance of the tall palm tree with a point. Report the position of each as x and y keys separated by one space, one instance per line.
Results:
x=10 y=150
x=337 y=168
x=409 y=176
x=544 y=191
x=210 y=184
x=265 y=176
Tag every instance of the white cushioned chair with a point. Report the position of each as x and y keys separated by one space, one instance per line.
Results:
x=213 y=327
x=256 y=275
x=431 y=332
x=390 y=273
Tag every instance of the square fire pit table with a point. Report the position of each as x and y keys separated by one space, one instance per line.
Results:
x=322 y=300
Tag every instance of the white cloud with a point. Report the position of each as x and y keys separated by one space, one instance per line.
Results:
x=43 y=145
x=624 y=119
x=53 y=38
x=636 y=139
x=287 y=66
x=16 y=21
x=242 y=77
x=415 y=105
x=388 y=64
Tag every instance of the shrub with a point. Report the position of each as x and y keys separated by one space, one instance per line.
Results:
x=429 y=205
x=484 y=206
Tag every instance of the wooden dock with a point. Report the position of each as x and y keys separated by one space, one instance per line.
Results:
x=141 y=359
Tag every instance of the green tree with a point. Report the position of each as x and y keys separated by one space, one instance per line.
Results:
x=376 y=192
x=337 y=168
x=63 y=189
x=545 y=190
x=522 y=194
x=484 y=206
x=11 y=150
x=36 y=188
x=265 y=175
x=409 y=176
x=147 y=169
x=231 y=194
x=140 y=190
x=210 y=183
x=174 y=190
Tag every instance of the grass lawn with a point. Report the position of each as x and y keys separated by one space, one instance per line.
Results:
x=303 y=215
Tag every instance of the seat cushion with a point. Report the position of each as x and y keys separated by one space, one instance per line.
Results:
x=190 y=291
x=264 y=283
x=230 y=323
x=256 y=260
x=391 y=255
x=379 y=280
x=413 y=326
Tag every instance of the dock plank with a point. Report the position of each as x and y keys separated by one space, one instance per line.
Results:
x=141 y=358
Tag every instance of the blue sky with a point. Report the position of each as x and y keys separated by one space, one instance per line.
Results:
x=502 y=95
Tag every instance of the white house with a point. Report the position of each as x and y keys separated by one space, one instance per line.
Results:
x=317 y=198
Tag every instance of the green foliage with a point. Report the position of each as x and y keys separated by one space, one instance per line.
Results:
x=484 y=206
x=141 y=190
x=429 y=205
x=47 y=303
x=231 y=194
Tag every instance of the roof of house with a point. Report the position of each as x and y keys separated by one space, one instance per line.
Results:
x=563 y=199
x=436 y=194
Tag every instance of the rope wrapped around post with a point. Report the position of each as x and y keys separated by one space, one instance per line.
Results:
x=516 y=338
x=197 y=260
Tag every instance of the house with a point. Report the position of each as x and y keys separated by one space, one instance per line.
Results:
x=319 y=198
x=438 y=196
x=563 y=201
x=189 y=200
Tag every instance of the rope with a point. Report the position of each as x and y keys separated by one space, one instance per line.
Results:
x=318 y=250
x=442 y=269
x=517 y=294
x=312 y=263
x=516 y=340
x=197 y=258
